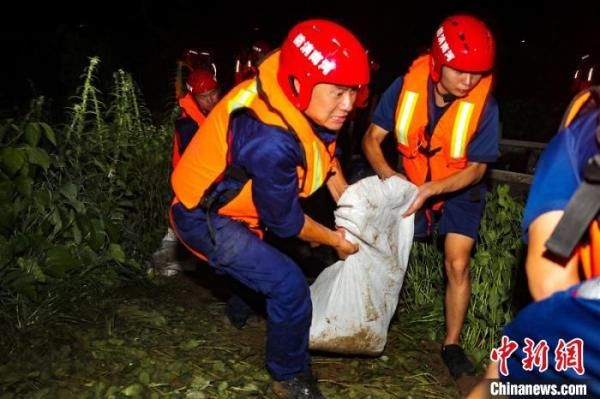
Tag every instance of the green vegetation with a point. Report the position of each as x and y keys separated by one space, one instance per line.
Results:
x=81 y=205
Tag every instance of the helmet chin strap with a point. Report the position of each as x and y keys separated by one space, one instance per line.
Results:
x=446 y=97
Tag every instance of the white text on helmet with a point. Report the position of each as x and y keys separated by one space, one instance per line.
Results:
x=444 y=46
x=314 y=56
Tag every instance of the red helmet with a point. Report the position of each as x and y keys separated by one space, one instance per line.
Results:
x=462 y=42
x=200 y=81
x=320 y=51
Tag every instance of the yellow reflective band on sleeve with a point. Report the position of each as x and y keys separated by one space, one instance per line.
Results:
x=243 y=98
x=461 y=127
x=317 y=166
x=407 y=108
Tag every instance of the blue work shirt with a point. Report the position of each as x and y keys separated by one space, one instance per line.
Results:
x=483 y=147
x=270 y=156
x=559 y=171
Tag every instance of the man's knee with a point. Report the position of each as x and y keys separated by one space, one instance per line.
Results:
x=292 y=294
x=457 y=268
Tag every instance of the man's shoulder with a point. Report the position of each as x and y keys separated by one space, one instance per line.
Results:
x=582 y=131
x=396 y=85
x=491 y=103
x=578 y=140
x=263 y=139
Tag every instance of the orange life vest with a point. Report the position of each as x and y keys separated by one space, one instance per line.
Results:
x=589 y=253
x=447 y=150
x=189 y=109
x=588 y=250
x=206 y=158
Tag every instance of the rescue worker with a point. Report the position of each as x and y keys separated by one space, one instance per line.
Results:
x=201 y=95
x=269 y=141
x=561 y=226
x=445 y=121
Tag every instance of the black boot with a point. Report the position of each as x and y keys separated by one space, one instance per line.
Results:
x=302 y=386
x=457 y=362
x=238 y=312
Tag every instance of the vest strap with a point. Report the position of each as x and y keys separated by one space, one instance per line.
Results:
x=214 y=199
x=581 y=210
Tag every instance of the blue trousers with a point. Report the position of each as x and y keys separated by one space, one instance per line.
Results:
x=242 y=255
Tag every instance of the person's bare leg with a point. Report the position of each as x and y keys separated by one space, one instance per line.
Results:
x=457 y=256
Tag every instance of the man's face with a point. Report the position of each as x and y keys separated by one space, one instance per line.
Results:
x=207 y=100
x=457 y=83
x=330 y=105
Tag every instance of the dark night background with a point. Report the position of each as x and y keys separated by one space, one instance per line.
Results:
x=538 y=46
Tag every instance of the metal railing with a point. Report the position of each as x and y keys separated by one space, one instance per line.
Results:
x=530 y=150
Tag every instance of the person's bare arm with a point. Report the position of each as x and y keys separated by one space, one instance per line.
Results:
x=371 y=145
x=546 y=273
x=337 y=183
x=472 y=174
x=314 y=232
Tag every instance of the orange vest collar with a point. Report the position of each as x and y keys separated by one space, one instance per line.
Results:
x=190 y=108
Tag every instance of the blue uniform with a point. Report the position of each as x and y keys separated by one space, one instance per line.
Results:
x=269 y=155
x=463 y=209
x=559 y=171
x=186 y=128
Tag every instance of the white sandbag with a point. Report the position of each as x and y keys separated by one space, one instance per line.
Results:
x=354 y=300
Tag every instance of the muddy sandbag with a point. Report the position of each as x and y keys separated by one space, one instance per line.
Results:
x=354 y=300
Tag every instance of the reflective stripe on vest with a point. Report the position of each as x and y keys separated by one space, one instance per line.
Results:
x=459 y=132
x=243 y=98
x=407 y=109
x=318 y=177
